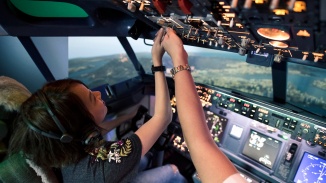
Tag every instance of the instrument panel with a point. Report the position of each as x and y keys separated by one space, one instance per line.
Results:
x=265 y=142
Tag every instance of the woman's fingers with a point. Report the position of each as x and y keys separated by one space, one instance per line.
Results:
x=158 y=35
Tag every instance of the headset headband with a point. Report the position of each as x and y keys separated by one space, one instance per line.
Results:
x=65 y=137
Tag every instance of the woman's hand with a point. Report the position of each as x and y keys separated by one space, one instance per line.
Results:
x=157 y=48
x=174 y=47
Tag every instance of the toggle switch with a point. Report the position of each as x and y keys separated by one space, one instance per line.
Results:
x=142 y=5
x=290 y=154
x=131 y=7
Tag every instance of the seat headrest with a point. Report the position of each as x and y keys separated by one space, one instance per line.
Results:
x=3 y=130
x=12 y=94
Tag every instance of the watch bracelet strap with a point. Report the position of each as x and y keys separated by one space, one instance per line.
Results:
x=179 y=68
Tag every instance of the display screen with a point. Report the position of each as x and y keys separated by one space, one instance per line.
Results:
x=262 y=148
x=311 y=169
x=262 y=59
x=216 y=125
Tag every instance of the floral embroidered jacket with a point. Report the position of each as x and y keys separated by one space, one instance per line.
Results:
x=107 y=162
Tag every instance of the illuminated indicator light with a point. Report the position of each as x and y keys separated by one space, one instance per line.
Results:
x=229 y=15
x=221 y=3
x=246 y=105
x=317 y=56
x=259 y=1
x=299 y=6
x=238 y=25
x=305 y=55
x=303 y=33
x=285 y=137
x=264 y=111
x=226 y=7
x=273 y=33
x=281 y=12
x=278 y=44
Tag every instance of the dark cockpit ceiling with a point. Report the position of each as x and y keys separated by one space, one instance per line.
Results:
x=289 y=30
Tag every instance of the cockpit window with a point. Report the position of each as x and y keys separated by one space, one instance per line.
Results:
x=99 y=60
x=231 y=71
x=306 y=87
x=142 y=49
x=216 y=68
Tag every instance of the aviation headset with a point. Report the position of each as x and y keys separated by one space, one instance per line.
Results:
x=65 y=137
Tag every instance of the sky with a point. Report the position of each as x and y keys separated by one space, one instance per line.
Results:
x=81 y=47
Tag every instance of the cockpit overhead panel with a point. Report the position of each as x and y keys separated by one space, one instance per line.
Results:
x=283 y=29
x=290 y=30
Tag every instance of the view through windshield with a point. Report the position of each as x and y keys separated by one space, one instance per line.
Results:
x=98 y=61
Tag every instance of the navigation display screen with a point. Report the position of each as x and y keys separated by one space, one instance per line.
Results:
x=262 y=148
x=311 y=169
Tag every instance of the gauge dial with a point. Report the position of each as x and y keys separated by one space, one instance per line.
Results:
x=314 y=173
x=312 y=169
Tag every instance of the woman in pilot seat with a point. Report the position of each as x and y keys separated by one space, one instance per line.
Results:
x=60 y=126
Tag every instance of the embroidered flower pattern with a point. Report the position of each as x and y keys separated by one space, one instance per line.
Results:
x=111 y=152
